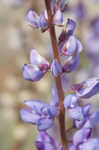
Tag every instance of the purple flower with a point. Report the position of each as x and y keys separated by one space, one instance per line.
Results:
x=32 y=73
x=38 y=22
x=93 y=119
x=62 y=5
x=43 y=24
x=44 y=123
x=72 y=147
x=90 y=144
x=87 y=88
x=56 y=68
x=71 y=101
x=37 y=69
x=71 y=64
x=39 y=113
x=79 y=123
x=76 y=113
x=86 y=109
x=44 y=141
x=58 y=18
x=32 y=18
x=70 y=27
x=36 y=59
x=81 y=135
x=70 y=47
x=82 y=122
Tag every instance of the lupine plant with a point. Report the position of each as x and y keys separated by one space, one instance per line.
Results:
x=66 y=58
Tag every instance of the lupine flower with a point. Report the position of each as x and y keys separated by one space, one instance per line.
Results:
x=62 y=5
x=76 y=113
x=41 y=21
x=90 y=144
x=37 y=69
x=86 y=109
x=32 y=18
x=58 y=18
x=32 y=73
x=71 y=64
x=69 y=30
x=43 y=24
x=71 y=101
x=35 y=21
x=88 y=88
x=44 y=141
x=72 y=147
x=39 y=113
x=81 y=135
x=70 y=26
x=82 y=122
x=56 y=68
x=92 y=120
x=70 y=47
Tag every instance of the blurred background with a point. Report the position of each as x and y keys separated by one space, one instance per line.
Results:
x=16 y=41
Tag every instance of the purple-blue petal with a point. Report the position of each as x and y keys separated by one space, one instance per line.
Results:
x=72 y=147
x=71 y=66
x=32 y=18
x=35 y=58
x=89 y=88
x=58 y=19
x=71 y=101
x=29 y=117
x=76 y=113
x=44 y=146
x=90 y=144
x=43 y=24
x=70 y=27
x=81 y=135
x=44 y=123
x=56 y=68
x=32 y=72
x=49 y=110
x=35 y=105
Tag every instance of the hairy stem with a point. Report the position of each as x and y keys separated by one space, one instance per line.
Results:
x=61 y=116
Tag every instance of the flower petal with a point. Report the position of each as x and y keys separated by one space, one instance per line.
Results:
x=32 y=18
x=81 y=135
x=32 y=73
x=71 y=101
x=89 y=88
x=35 y=105
x=28 y=116
x=56 y=68
x=35 y=58
x=76 y=113
x=44 y=124
x=91 y=144
x=58 y=19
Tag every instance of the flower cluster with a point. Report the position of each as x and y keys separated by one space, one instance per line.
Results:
x=42 y=114
x=83 y=119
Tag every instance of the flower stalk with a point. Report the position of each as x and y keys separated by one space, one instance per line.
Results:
x=53 y=38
